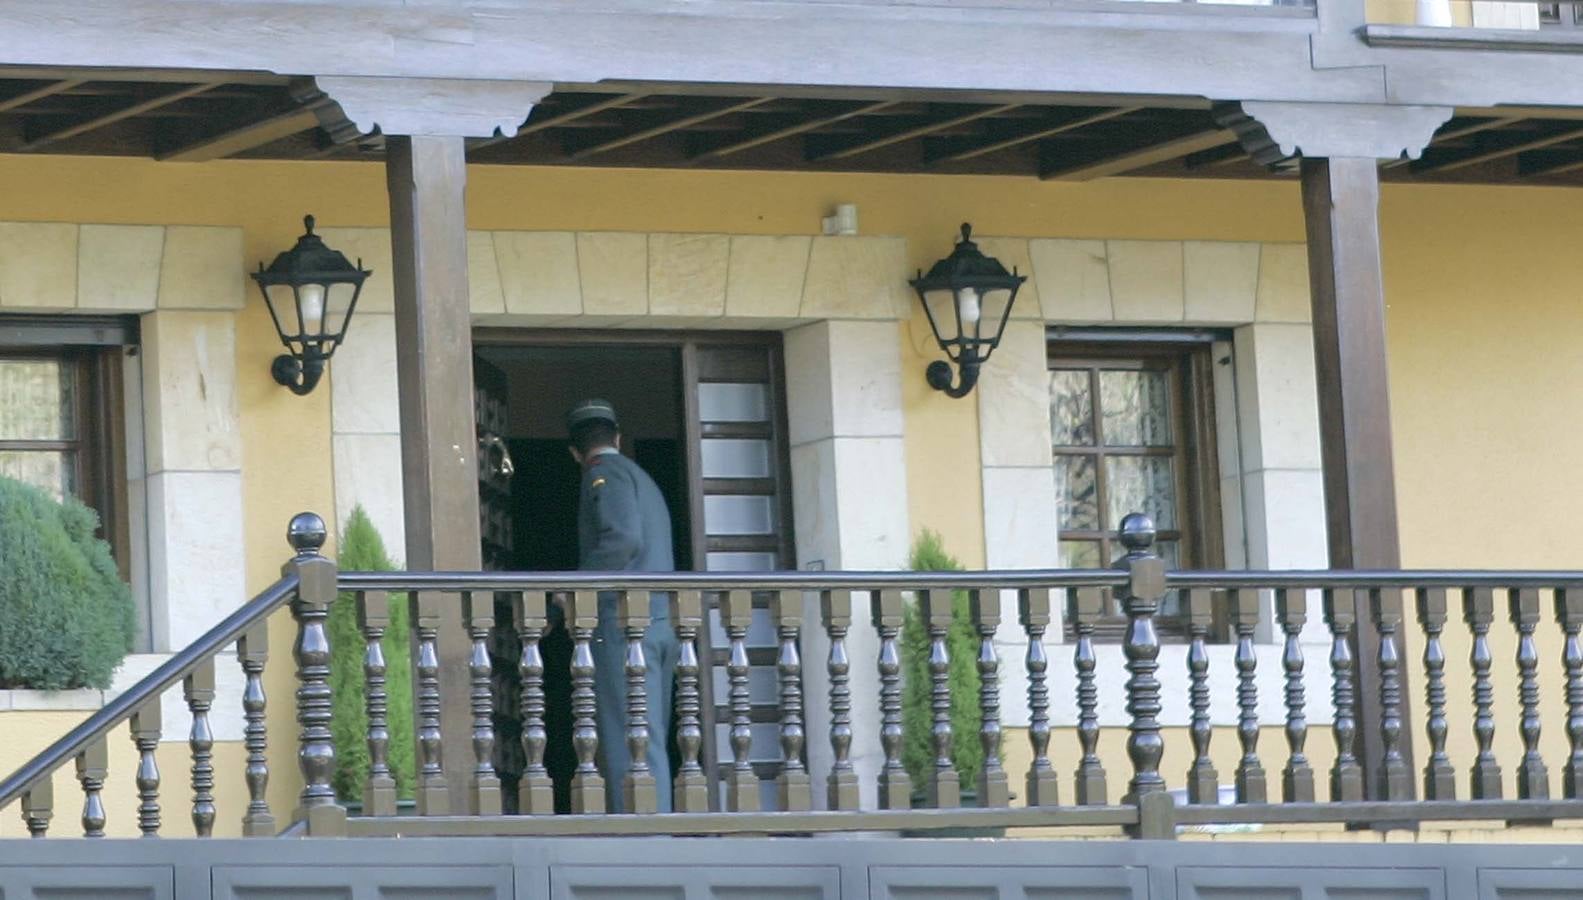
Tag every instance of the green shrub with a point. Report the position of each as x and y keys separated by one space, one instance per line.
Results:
x=929 y=555
x=66 y=618
x=363 y=550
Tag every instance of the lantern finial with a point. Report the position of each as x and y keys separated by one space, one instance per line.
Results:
x=307 y=222
x=967 y=232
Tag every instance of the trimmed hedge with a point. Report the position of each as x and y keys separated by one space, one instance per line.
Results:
x=928 y=555
x=66 y=617
x=363 y=550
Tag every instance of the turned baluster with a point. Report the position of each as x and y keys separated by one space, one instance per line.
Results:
x=841 y=784
x=1533 y=777
x=638 y=790
x=944 y=788
x=793 y=785
x=1141 y=646
x=1478 y=609
x=993 y=787
x=1569 y=614
x=1297 y=778
x=535 y=790
x=1251 y=784
x=373 y=617
x=1087 y=608
x=691 y=790
x=146 y=728
x=1439 y=777
x=588 y=786
x=93 y=767
x=1203 y=782
x=478 y=617
x=252 y=651
x=316 y=589
x=895 y=785
x=742 y=783
x=1033 y=612
x=38 y=808
x=1346 y=776
x=1395 y=778
x=433 y=793
x=198 y=690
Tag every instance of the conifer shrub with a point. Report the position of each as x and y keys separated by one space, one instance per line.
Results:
x=66 y=617
x=363 y=550
x=929 y=555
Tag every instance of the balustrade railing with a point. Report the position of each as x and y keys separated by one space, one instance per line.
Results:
x=812 y=618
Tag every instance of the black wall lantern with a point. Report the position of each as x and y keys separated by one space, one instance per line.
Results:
x=967 y=297
x=311 y=291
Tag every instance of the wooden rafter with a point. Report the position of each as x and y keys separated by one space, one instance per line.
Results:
x=555 y=119
x=960 y=149
x=1106 y=161
x=1546 y=163
x=1456 y=133
x=788 y=126
x=245 y=136
x=910 y=130
x=1449 y=160
x=39 y=93
x=652 y=126
x=109 y=118
x=1214 y=157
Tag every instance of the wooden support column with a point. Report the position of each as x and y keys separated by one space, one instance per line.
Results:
x=427 y=177
x=1341 y=208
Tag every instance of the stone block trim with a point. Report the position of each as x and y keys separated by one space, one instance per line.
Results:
x=54 y=266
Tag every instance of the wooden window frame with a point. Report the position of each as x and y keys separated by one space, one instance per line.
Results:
x=1188 y=358
x=92 y=350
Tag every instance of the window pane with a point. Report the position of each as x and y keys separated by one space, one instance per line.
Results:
x=728 y=514
x=735 y=458
x=1141 y=484
x=733 y=402
x=741 y=562
x=1135 y=408
x=1080 y=555
x=47 y=470
x=1071 y=408
x=36 y=400
x=1075 y=493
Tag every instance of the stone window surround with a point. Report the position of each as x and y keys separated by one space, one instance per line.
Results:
x=1266 y=421
x=184 y=485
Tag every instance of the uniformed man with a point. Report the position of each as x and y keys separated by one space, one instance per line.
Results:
x=623 y=526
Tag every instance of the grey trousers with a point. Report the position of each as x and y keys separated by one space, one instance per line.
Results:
x=660 y=650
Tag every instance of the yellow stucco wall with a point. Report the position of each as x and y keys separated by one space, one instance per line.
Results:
x=1483 y=318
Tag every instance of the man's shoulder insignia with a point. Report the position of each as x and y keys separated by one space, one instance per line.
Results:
x=598 y=483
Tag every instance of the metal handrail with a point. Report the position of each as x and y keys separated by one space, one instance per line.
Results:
x=730 y=581
x=147 y=689
x=1320 y=579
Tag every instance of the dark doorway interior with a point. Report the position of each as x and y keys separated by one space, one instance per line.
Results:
x=541 y=383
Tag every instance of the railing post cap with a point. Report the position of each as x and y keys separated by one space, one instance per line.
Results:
x=306 y=533
x=1137 y=533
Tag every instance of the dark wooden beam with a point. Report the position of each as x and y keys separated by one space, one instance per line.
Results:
x=1497 y=148
x=1456 y=132
x=911 y=129
x=39 y=93
x=1106 y=160
x=1341 y=212
x=1215 y=157
x=427 y=179
x=1544 y=163
x=1009 y=136
x=164 y=98
x=784 y=127
x=652 y=125
x=244 y=136
x=544 y=117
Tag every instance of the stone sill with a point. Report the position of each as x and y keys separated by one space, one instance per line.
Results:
x=1500 y=39
x=86 y=699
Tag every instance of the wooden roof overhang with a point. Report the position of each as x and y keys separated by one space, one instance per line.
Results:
x=197 y=116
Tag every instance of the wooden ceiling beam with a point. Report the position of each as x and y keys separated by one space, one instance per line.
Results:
x=790 y=126
x=1456 y=133
x=1450 y=160
x=109 y=118
x=245 y=136
x=1545 y=163
x=663 y=123
x=1215 y=157
x=846 y=149
x=1105 y=161
x=555 y=119
x=39 y=93
x=959 y=150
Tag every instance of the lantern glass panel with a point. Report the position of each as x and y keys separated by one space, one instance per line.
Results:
x=283 y=304
x=992 y=306
x=310 y=309
x=337 y=306
x=942 y=308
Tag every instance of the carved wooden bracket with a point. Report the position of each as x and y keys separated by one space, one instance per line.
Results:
x=1277 y=133
x=432 y=106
